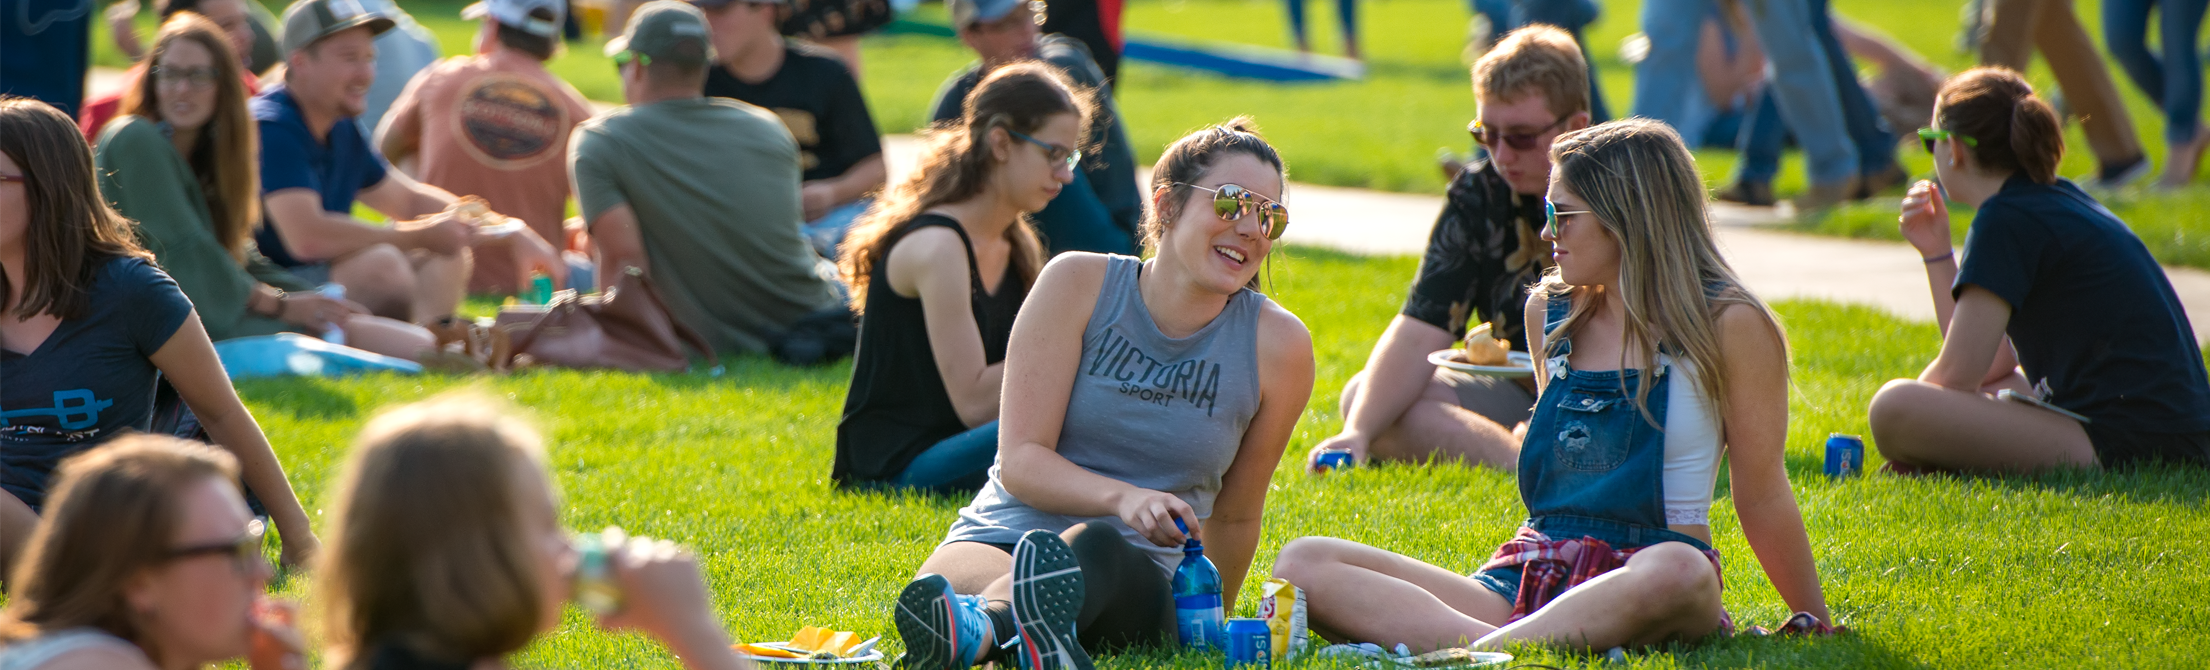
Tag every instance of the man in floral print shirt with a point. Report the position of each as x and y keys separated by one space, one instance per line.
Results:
x=1484 y=253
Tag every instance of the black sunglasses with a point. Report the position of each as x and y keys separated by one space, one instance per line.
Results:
x=243 y=550
x=1489 y=137
x=1230 y=202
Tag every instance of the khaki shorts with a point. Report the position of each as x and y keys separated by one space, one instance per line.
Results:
x=1501 y=399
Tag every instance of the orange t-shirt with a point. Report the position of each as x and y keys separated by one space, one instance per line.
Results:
x=494 y=126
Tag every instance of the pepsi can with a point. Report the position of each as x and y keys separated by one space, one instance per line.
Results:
x=1845 y=455
x=1334 y=459
x=1250 y=642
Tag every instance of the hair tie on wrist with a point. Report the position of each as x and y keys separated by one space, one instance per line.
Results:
x=1940 y=258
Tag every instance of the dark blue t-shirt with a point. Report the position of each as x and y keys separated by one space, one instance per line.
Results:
x=2096 y=324
x=92 y=380
x=45 y=46
x=291 y=158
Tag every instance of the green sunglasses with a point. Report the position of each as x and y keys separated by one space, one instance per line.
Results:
x=1056 y=153
x=1230 y=202
x=1550 y=216
x=1928 y=136
x=622 y=59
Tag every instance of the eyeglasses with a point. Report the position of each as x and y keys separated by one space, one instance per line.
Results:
x=1056 y=153
x=195 y=77
x=1550 y=216
x=20 y=179
x=1230 y=202
x=622 y=59
x=243 y=551
x=1928 y=136
x=1489 y=137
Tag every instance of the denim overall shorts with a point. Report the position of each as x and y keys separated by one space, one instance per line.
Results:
x=1592 y=465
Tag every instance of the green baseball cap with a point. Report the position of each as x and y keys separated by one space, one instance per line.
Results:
x=308 y=21
x=666 y=31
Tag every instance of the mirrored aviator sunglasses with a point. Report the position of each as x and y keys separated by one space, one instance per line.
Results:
x=1550 y=215
x=1230 y=202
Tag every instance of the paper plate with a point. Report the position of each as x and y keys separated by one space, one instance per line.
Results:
x=1522 y=365
x=871 y=656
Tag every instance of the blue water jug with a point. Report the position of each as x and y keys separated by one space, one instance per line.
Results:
x=1198 y=616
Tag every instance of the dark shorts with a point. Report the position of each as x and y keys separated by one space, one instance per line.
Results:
x=312 y=273
x=2120 y=448
x=1500 y=399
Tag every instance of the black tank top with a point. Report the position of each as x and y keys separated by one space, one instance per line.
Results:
x=897 y=406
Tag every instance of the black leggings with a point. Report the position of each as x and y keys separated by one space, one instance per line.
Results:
x=1126 y=600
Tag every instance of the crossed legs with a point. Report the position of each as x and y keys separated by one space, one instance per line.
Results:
x=1918 y=424
x=1360 y=593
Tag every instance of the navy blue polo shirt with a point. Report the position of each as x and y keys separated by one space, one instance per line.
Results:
x=339 y=168
x=2095 y=322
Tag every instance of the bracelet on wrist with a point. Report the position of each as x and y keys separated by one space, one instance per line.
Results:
x=277 y=308
x=1940 y=258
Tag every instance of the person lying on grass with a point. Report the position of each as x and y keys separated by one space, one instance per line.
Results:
x=939 y=269
x=1657 y=362
x=1137 y=393
x=147 y=558
x=89 y=327
x=446 y=552
x=2056 y=301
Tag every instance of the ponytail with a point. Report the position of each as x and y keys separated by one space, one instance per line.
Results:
x=2011 y=128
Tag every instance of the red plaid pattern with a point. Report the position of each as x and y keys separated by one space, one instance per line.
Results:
x=1549 y=567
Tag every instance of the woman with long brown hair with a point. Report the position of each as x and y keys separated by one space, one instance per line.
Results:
x=88 y=325
x=447 y=551
x=1141 y=397
x=938 y=269
x=2063 y=344
x=181 y=161
x=1654 y=363
x=146 y=559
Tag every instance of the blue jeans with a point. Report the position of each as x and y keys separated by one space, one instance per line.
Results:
x=959 y=462
x=2172 y=78
x=1765 y=133
x=1346 y=15
x=1800 y=83
x=1077 y=220
x=826 y=234
x=1665 y=78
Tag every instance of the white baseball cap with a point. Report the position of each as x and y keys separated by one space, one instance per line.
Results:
x=516 y=13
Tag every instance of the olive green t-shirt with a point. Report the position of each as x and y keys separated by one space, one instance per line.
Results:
x=714 y=185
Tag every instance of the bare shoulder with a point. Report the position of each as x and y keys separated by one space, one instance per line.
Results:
x=1743 y=328
x=1069 y=276
x=1282 y=337
x=928 y=243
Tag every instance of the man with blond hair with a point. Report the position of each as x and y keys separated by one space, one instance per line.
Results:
x=1485 y=251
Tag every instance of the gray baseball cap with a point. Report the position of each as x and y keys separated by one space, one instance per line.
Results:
x=666 y=31
x=516 y=14
x=969 y=12
x=308 y=21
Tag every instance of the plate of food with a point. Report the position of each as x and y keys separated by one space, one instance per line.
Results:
x=1485 y=355
x=474 y=211
x=814 y=646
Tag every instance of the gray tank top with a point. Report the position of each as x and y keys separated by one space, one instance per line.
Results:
x=1157 y=412
x=37 y=651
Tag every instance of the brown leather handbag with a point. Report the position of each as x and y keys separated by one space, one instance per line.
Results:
x=626 y=327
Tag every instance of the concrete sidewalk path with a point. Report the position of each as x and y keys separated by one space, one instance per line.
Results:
x=1775 y=264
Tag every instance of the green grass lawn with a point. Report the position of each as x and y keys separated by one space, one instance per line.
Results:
x=2067 y=569
x=1384 y=132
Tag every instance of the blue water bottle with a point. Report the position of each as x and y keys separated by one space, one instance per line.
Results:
x=1197 y=611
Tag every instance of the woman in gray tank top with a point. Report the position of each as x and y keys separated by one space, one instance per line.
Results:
x=1137 y=394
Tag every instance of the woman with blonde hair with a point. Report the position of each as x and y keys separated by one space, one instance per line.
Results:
x=1141 y=397
x=1656 y=362
x=446 y=551
x=938 y=269
x=181 y=161
x=88 y=329
x=146 y=558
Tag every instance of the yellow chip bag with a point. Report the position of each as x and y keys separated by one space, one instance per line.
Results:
x=1282 y=605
